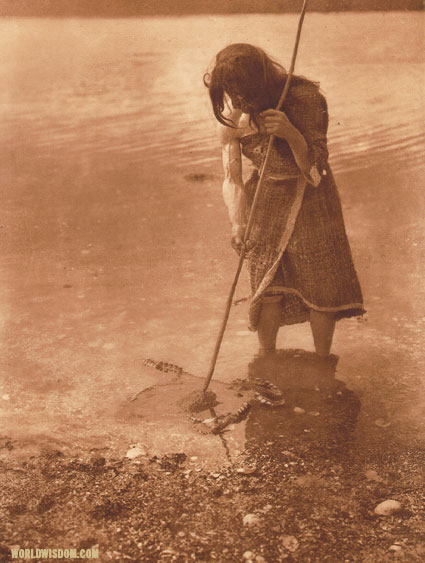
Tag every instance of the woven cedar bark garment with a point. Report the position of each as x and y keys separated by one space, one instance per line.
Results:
x=301 y=251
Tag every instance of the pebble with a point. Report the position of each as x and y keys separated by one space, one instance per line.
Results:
x=246 y=470
x=388 y=507
x=371 y=475
x=248 y=556
x=135 y=451
x=382 y=423
x=299 y=410
x=251 y=520
x=168 y=552
x=5 y=397
x=260 y=559
x=290 y=543
x=194 y=458
x=395 y=547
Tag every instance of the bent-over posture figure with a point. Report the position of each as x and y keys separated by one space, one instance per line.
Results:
x=299 y=260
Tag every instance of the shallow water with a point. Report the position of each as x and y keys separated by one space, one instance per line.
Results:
x=116 y=239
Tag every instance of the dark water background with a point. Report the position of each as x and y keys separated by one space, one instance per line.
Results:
x=114 y=234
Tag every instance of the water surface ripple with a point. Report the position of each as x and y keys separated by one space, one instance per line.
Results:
x=134 y=87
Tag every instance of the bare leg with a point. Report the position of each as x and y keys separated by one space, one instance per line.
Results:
x=268 y=327
x=322 y=327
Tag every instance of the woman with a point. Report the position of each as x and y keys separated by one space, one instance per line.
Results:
x=298 y=259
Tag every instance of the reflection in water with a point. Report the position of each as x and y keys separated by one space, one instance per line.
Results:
x=320 y=411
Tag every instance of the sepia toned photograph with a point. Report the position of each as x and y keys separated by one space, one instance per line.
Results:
x=212 y=281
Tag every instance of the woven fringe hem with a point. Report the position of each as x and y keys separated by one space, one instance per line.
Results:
x=342 y=311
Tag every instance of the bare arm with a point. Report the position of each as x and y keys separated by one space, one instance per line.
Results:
x=233 y=187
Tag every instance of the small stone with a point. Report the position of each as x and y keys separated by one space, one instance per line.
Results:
x=248 y=556
x=290 y=543
x=382 y=423
x=181 y=534
x=371 y=475
x=395 y=547
x=136 y=451
x=6 y=397
x=260 y=559
x=251 y=520
x=194 y=458
x=299 y=410
x=246 y=470
x=314 y=413
x=388 y=507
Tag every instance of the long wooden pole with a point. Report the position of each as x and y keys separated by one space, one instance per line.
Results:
x=253 y=207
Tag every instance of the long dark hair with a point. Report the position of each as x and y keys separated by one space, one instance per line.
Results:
x=247 y=71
